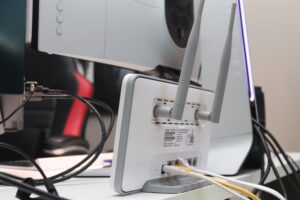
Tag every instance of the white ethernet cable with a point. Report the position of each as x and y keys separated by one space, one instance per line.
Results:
x=176 y=171
x=252 y=185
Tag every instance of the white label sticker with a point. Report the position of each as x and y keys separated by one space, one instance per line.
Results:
x=179 y=137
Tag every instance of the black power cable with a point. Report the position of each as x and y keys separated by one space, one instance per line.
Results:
x=265 y=172
x=287 y=159
x=294 y=162
x=91 y=157
x=264 y=177
x=94 y=154
x=28 y=188
x=268 y=154
x=48 y=184
x=277 y=154
x=108 y=109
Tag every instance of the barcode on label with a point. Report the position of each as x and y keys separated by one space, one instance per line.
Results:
x=169 y=136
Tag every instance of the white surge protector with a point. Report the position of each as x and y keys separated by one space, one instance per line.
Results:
x=143 y=143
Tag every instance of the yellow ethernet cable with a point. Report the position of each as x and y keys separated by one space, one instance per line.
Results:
x=238 y=189
x=175 y=170
x=247 y=184
x=226 y=184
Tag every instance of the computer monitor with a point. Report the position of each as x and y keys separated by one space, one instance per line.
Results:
x=138 y=35
x=12 y=61
x=234 y=131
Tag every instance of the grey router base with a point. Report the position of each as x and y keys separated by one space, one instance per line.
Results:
x=173 y=184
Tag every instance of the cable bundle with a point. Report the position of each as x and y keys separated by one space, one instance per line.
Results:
x=271 y=145
x=28 y=189
x=222 y=182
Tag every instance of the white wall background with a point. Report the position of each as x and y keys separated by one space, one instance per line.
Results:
x=274 y=31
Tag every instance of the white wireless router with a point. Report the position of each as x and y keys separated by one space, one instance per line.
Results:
x=144 y=143
x=154 y=128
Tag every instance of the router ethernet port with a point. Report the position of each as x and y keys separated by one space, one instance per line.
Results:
x=173 y=162
x=195 y=162
x=162 y=170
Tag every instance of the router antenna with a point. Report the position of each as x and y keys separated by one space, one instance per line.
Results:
x=215 y=114
x=190 y=58
x=192 y=51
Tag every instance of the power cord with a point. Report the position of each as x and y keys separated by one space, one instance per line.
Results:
x=94 y=154
x=39 y=92
x=46 y=93
x=283 y=153
x=265 y=175
x=28 y=188
x=269 y=138
x=10 y=178
x=270 y=160
x=277 y=154
x=294 y=163
x=48 y=183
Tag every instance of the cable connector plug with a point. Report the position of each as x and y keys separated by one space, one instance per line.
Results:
x=24 y=195
x=30 y=86
x=35 y=91
x=174 y=170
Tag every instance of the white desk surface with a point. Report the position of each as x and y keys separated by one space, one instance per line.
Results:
x=99 y=188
